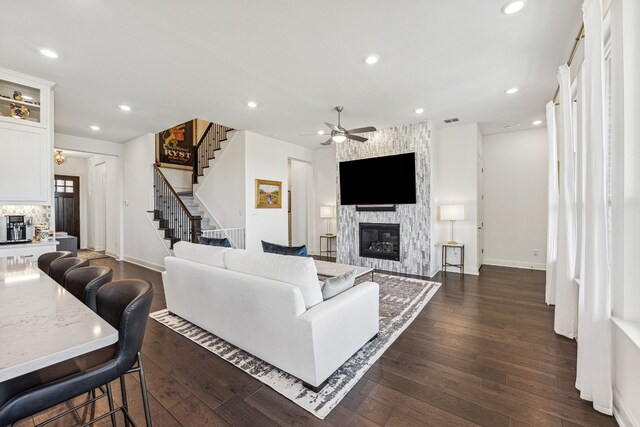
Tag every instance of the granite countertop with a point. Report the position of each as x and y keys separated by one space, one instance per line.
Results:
x=16 y=245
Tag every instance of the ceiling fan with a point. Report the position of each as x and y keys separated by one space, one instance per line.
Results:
x=340 y=134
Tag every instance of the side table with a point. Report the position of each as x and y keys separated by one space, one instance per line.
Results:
x=330 y=245
x=446 y=264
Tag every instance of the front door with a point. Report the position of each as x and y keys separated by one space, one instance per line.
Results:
x=67 y=194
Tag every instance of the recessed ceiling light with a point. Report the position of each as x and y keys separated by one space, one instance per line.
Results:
x=537 y=123
x=419 y=110
x=94 y=127
x=124 y=107
x=511 y=90
x=512 y=7
x=320 y=132
x=252 y=104
x=48 y=53
x=372 y=59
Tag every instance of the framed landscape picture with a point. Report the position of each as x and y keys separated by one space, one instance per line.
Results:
x=268 y=194
x=174 y=147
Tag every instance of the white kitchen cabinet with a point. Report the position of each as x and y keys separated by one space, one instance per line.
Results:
x=32 y=250
x=26 y=140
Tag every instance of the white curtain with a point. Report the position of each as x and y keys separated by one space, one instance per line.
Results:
x=593 y=377
x=552 y=195
x=566 y=310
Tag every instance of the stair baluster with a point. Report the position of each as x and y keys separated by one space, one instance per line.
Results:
x=206 y=148
x=174 y=217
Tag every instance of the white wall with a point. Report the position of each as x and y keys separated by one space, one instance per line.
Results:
x=324 y=183
x=268 y=158
x=112 y=202
x=457 y=184
x=179 y=179
x=75 y=166
x=142 y=244
x=301 y=187
x=111 y=153
x=222 y=190
x=515 y=199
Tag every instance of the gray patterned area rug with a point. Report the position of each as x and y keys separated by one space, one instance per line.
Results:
x=401 y=300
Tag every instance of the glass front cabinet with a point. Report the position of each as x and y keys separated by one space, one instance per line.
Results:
x=26 y=139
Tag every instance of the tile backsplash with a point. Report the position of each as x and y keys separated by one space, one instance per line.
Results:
x=40 y=214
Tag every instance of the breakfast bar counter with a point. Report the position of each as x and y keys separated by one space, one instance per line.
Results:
x=41 y=323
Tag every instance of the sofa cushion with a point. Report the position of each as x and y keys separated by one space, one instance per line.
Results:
x=275 y=248
x=205 y=254
x=335 y=285
x=211 y=241
x=297 y=271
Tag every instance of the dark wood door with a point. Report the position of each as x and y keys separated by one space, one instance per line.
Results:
x=67 y=194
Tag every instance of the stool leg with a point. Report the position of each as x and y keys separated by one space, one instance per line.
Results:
x=110 y=398
x=125 y=402
x=145 y=396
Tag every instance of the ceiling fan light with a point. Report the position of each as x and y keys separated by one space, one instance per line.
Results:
x=339 y=138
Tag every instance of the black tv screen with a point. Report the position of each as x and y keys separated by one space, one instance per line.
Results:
x=388 y=180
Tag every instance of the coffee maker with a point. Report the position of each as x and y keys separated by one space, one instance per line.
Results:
x=16 y=229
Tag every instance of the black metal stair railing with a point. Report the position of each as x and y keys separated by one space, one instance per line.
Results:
x=206 y=148
x=174 y=217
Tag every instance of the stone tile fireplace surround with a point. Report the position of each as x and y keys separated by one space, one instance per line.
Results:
x=414 y=220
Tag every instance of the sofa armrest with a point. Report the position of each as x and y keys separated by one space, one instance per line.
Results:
x=341 y=325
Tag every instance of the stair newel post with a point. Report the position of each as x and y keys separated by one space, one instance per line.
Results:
x=196 y=223
x=194 y=175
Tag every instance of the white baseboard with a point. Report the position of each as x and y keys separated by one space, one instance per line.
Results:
x=515 y=264
x=621 y=411
x=145 y=264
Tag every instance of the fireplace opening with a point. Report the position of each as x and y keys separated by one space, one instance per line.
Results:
x=380 y=241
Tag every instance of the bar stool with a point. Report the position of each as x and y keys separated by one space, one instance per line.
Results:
x=84 y=283
x=45 y=260
x=125 y=304
x=62 y=266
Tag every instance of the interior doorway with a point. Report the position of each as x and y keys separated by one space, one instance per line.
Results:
x=300 y=214
x=67 y=205
x=100 y=206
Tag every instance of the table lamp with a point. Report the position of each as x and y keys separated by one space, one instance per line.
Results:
x=452 y=213
x=327 y=212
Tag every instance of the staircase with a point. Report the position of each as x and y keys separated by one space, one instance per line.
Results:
x=179 y=216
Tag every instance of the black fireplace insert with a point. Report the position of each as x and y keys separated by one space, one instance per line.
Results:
x=380 y=241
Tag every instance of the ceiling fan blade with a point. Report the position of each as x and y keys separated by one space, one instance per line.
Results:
x=327 y=142
x=333 y=127
x=357 y=138
x=362 y=130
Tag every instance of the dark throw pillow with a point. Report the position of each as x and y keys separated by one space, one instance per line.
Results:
x=214 y=242
x=284 y=250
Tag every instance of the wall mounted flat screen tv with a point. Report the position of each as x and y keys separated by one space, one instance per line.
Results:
x=388 y=180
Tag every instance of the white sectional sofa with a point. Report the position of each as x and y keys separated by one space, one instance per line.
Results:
x=271 y=306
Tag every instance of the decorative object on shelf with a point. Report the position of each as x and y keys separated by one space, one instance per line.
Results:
x=452 y=213
x=174 y=147
x=59 y=158
x=42 y=233
x=268 y=194
x=18 y=111
x=328 y=212
x=17 y=95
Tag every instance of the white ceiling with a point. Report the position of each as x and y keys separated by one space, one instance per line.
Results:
x=175 y=60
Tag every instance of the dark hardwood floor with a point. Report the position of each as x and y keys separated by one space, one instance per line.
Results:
x=482 y=352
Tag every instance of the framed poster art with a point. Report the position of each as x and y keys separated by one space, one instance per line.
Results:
x=268 y=194
x=174 y=147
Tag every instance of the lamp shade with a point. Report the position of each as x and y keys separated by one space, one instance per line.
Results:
x=451 y=212
x=327 y=211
